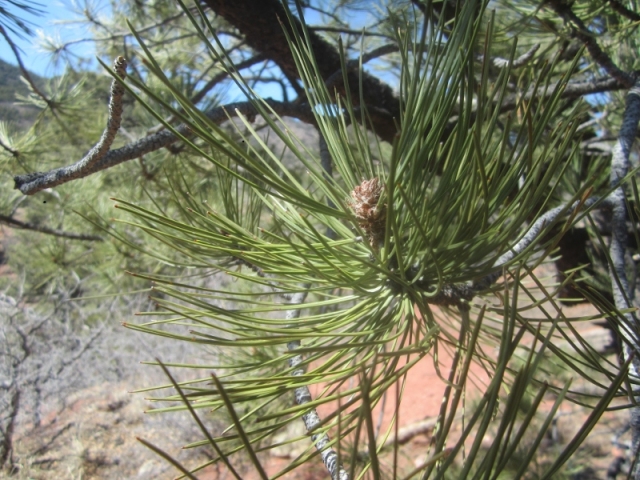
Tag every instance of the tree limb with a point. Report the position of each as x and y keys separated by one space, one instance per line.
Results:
x=624 y=11
x=353 y=65
x=90 y=160
x=32 y=183
x=265 y=23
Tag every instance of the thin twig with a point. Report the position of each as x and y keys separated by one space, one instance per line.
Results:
x=517 y=62
x=45 y=448
x=377 y=52
x=13 y=152
x=12 y=222
x=353 y=65
x=311 y=418
x=6 y=444
x=23 y=70
x=123 y=34
x=222 y=75
x=589 y=40
x=208 y=86
x=532 y=234
x=568 y=91
x=406 y=434
x=347 y=31
x=258 y=271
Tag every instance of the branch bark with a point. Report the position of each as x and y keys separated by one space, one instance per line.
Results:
x=311 y=418
x=35 y=182
x=517 y=62
x=622 y=294
x=88 y=162
x=624 y=11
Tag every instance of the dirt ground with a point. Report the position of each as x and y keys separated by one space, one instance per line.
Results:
x=94 y=437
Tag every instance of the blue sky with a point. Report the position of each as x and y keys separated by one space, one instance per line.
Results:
x=52 y=24
x=57 y=22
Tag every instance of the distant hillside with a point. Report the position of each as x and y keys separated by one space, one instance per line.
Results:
x=10 y=85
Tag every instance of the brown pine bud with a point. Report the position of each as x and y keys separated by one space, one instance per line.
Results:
x=371 y=216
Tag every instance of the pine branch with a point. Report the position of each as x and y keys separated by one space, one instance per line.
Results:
x=14 y=153
x=222 y=75
x=101 y=158
x=114 y=120
x=353 y=65
x=570 y=91
x=311 y=418
x=91 y=159
x=121 y=35
x=347 y=31
x=405 y=435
